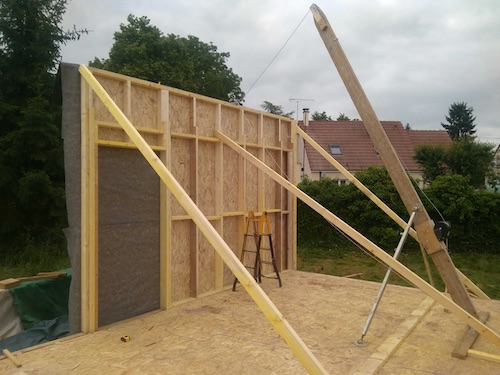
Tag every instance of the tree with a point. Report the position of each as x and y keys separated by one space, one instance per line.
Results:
x=472 y=159
x=141 y=50
x=472 y=213
x=431 y=159
x=343 y=117
x=464 y=157
x=460 y=121
x=31 y=161
x=275 y=109
x=352 y=206
x=316 y=116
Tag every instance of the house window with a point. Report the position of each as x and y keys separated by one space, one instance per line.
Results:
x=335 y=149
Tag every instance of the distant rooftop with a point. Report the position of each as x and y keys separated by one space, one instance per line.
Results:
x=350 y=144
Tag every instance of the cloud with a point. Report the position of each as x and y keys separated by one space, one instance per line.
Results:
x=413 y=59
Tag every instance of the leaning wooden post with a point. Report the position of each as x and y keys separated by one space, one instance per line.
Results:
x=424 y=226
x=299 y=348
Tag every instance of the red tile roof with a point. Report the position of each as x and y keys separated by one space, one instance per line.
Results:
x=358 y=152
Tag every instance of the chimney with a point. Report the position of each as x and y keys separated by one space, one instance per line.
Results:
x=305 y=117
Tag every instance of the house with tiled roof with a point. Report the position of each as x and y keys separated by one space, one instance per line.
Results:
x=349 y=143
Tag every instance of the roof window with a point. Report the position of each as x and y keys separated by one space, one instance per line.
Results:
x=335 y=149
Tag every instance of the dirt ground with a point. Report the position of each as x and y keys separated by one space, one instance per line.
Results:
x=227 y=334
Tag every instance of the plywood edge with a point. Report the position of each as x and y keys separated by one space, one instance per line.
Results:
x=482 y=355
x=392 y=343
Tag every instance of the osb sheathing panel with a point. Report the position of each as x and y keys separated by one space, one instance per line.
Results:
x=251 y=126
x=205 y=118
x=231 y=173
x=182 y=127
x=230 y=122
x=252 y=183
x=181 y=259
x=273 y=189
x=181 y=114
x=206 y=178
x=112 y=134
x=182 y=167
x=206 y=264
x=232 y=230
x=286 y=135
x=271 y=135
x=285 y=174
x=116 y=89
x=144 y=107
x=227 y=334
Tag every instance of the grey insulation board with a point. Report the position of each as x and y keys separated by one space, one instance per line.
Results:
x=129 y=235
x=70 y=94
x=129 y=218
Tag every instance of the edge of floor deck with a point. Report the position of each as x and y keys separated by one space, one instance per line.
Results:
x=226 y=333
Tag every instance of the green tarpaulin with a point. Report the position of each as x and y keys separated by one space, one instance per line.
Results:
x=41 y=300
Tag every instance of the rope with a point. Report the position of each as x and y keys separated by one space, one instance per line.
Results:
x=407 y=170
x=275 y=56
x=282 y=173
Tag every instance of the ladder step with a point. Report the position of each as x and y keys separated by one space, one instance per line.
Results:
x=259 y=226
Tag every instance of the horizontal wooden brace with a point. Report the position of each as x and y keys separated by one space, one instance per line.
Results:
x=118 y=144
x=114 y=125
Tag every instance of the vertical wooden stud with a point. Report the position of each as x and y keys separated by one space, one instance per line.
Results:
x=219 y=205
x=165 y=206
x=195 y=243
x=261 y=178
x=89 y=219
x=292 y=216
x=85 y=220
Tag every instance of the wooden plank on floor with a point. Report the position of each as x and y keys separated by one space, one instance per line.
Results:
x=468 y=338
x=482 y=355
x=390 y=345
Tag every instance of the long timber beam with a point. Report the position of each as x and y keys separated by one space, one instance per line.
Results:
x=423 y=223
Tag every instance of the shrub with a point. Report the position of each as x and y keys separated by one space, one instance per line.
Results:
x=472 y=213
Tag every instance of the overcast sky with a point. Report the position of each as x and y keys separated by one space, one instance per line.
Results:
x=413 y=58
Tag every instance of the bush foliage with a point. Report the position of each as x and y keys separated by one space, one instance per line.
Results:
x=473 y=214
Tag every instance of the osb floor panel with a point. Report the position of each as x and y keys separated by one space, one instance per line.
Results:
x=227 y=334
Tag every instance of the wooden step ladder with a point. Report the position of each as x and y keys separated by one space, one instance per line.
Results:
x=254 y=244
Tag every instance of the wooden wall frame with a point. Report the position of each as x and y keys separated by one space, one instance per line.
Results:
x=180 y=127
x=275 y=138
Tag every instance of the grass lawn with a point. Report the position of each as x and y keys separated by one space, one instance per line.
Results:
x=30 y=262
x=482 y=269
